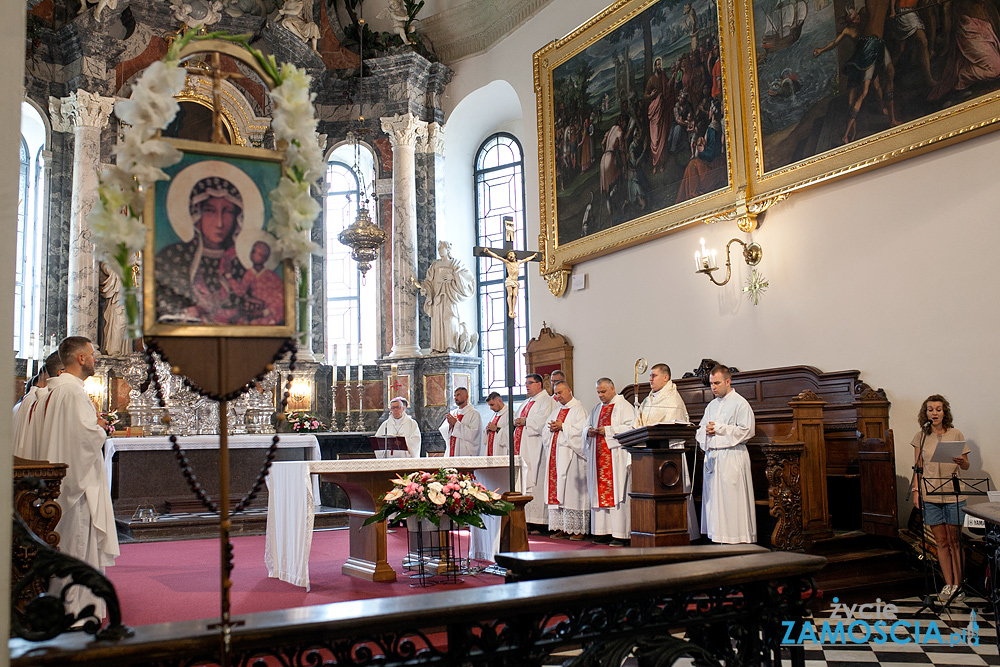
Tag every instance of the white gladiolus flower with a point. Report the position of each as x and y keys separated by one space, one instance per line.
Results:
x=145 y=159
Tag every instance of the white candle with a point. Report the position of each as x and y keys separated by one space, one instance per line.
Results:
x=348 y=361
x=713 y=264
x=334 y=363
x=697 y=261
x=360 y=362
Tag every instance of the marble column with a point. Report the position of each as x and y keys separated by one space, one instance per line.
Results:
x=403 y=130
x=86 y=114
x=430 y=207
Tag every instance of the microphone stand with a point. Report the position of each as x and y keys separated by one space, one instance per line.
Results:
x=918 y=476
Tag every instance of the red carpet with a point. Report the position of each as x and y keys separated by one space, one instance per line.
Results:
x=159 y=582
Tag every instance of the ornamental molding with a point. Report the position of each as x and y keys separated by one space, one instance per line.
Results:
x=404 y=129
x=476 y=26
x=432 y=141
x=80 y=109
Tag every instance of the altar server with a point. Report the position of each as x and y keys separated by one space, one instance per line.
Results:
x=727 y=509
x=484 y=543
x=71 y=434
x=400 y=425
x=26 y=437
x=609 y=465
x=664 y=405
x=462 y=428
x=566 y=490
x=530 y=443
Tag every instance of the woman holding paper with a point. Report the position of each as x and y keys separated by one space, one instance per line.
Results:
x=941 y=512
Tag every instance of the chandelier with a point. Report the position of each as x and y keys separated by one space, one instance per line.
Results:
x=363 y=236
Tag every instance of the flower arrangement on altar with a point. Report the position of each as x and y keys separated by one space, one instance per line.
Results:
x=110 y=419
x=444 y=493
x=116 y=219
x=303 y=422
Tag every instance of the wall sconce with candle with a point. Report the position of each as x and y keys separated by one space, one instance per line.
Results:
x=705 y=260
x=300 y=395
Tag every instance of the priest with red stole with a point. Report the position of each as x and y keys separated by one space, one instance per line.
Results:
x=71 y=434
x=483 y=544
x=532 y=445
x=609 y=466
x=462 y=428
x=566 y=491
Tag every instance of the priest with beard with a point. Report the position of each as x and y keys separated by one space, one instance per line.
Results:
x=530 y=443
x=609 y=466
x=72 y=434
x=664 y=405
x=566 y=492
x=462 y=428
x=399 y=425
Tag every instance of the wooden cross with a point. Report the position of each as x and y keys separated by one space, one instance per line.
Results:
x=512 y=260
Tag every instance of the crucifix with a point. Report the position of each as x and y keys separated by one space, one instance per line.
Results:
x=218 y=76
x=512 y=260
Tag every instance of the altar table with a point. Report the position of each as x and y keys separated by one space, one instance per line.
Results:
x=291 y=505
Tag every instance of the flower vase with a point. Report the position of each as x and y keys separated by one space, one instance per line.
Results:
x=133 y=311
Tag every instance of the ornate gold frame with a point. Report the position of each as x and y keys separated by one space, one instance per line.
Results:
x=559 y=258
x=150 y=326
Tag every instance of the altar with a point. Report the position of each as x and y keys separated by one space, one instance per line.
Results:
x=292 y=504
x=146 y=471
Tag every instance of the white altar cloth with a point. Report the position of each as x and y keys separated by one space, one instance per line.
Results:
x=291 y=505
x=161 y=443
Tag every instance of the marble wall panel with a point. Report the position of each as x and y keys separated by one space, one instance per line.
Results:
x=436 y=390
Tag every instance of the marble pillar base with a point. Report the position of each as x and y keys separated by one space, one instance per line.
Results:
x=429 y=383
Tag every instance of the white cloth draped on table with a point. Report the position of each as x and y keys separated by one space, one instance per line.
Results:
x=291 y=510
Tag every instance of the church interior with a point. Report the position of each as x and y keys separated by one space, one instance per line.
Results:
x=865 y=298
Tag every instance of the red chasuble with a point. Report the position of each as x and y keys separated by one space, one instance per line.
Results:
x=453 y=438
x=605 y=469
x=520 y=429
x=553 y=472
x=490 y=435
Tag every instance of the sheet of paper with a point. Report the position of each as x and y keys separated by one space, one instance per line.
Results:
x=946 y=451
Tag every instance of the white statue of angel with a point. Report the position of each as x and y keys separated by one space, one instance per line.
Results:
x=197 y=13
x=296 y=17
x=397 y=12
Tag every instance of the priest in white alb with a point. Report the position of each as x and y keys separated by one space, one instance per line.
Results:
x=566 y=493
x=72 y=434
x=484 y=543
x=609 y=465
x=25 y=437
x=532 y=445
x=398 y=425
x=462 y=428
x=727 y=509
x=664 y=405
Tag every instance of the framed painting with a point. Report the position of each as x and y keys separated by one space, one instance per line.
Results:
x=210 y=267
x=634 y=128
x=839 y=86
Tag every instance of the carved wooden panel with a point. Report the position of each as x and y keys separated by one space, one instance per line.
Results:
x=41 y=512
x=547 y=352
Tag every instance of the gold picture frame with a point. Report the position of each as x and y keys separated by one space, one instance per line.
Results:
x=216 y=281
x=599 y=198
x=910 y=112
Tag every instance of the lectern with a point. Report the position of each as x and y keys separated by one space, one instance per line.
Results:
x=659 y=513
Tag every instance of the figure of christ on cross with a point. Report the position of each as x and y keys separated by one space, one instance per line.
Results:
x=512 y=259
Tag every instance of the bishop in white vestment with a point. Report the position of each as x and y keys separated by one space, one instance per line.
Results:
x=462 y=428
x=532 y=445
x=566 y=492
x=664 y=405
x=727 y=509
x=399 y=425
x=71 y=434
x=484 y=543
x=609 y=464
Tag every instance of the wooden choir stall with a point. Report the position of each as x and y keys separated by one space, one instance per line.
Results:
x=822 y=458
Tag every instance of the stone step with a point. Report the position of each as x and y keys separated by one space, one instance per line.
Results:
x=203 y=525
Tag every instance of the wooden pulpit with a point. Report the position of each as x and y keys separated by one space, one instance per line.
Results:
x=659 y=513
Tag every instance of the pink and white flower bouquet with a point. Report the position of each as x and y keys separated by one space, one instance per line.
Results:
x=445 y=492
x=303 y=422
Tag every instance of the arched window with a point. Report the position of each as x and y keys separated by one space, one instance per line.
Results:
x=30 y=229
x=499 y=175
x=351 y=311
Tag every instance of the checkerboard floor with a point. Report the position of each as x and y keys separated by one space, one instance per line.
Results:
x=891 y=654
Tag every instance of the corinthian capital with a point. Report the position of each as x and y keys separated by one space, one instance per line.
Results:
x=403 y=129
x=433 y=140
x=80 y=109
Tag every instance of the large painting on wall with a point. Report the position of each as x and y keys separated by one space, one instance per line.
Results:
x=633 y=125
x=842 y=85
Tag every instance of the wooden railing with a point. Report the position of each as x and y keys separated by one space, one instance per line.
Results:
x=730 y=608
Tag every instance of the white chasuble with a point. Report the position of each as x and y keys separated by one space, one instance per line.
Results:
x=404 y=427
x=532 y=445
x=727 y=509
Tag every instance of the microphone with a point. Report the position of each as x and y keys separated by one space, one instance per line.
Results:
x=926 y=426
x=954 y=484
